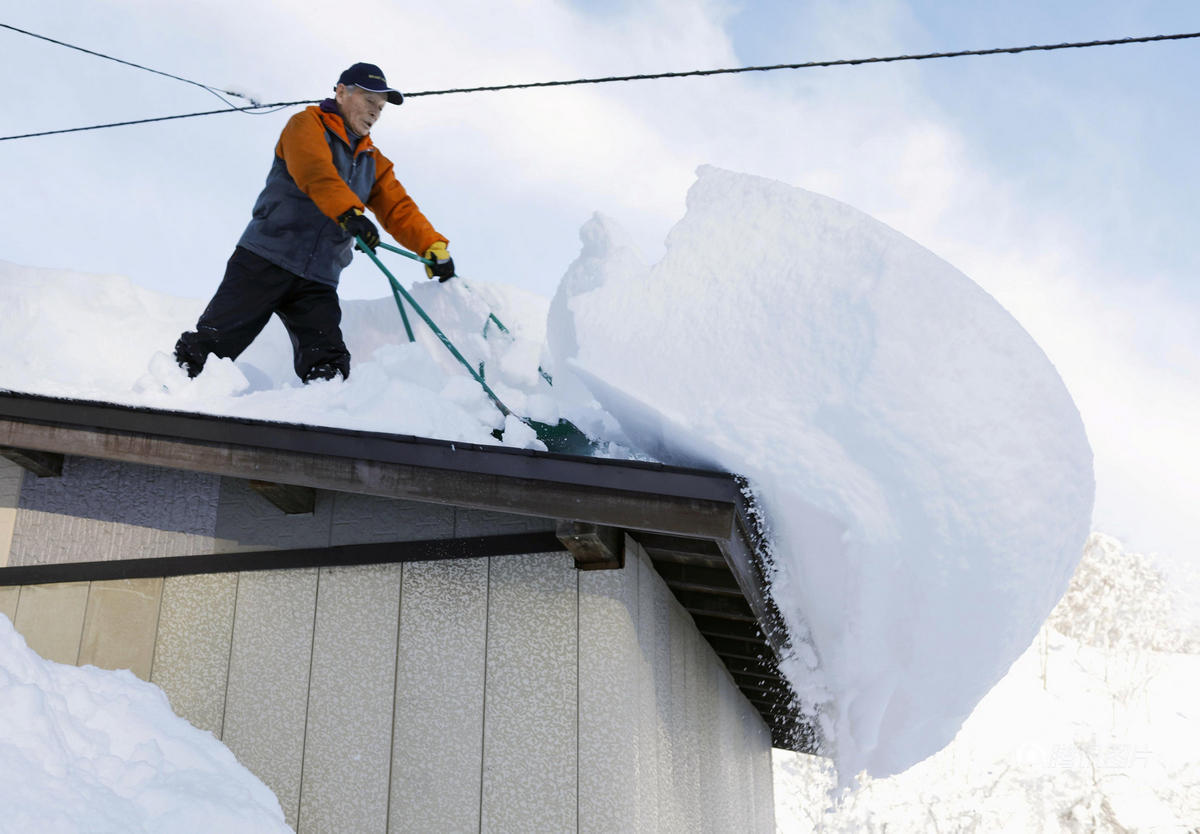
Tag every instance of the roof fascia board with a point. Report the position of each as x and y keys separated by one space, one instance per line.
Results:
x=392 y=448
x=560 y=490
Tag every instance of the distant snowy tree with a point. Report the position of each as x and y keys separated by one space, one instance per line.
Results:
x=1077 y=742
x=1120 y=600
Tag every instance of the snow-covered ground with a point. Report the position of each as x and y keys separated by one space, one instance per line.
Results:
x=923 y=469
x=89 y=751
x=1094 y=729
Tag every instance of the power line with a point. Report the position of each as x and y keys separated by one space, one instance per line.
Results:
x=1011 y=50
x=264 y=108
x=810 y=64
x=216 y=91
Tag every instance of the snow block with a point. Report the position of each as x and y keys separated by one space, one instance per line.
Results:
x=924 y=469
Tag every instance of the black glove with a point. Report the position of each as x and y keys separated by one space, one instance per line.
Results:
x=442 y=266
x=357 y=224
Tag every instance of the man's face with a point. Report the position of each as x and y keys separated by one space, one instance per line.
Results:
x=360 y=108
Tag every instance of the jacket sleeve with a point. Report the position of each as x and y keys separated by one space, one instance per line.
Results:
x=303 y=148
x=397 y=212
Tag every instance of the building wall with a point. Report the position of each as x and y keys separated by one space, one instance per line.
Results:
x=511 y=693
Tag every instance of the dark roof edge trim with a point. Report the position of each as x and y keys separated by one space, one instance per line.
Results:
x=611 y=473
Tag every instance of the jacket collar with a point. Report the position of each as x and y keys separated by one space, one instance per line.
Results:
x=332 y=118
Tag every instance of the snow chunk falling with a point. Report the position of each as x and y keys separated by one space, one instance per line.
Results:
x=88 y=750
x=923 y=467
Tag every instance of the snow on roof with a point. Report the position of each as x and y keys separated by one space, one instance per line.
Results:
x=925 y=474
x=922 y=466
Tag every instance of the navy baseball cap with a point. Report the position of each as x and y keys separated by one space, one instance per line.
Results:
x=370 y=77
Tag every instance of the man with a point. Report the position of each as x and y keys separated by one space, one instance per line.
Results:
x=301 y=234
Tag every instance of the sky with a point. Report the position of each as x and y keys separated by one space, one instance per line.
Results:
x=1061 y=182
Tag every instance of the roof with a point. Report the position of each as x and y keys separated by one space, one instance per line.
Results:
x=696 y=525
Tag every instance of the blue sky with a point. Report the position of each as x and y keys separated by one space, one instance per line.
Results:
x=1062 y=182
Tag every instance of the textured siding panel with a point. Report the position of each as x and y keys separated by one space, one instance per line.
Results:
x=608 y=666
x=11 y=476
x=267 y=697
x=764 y=787
x=646 y=697
x=736 y=808
x=248 y=521
x=348 y=744
x=707 y=747
x=363 y=519
x=42 y=538
x=120 y=623
x=101 y=510
x=530 y=715
x=683 y=730
x=8 y=601
x=50 y=618
x=127 y=494
x=661 y=600
x=438 y=742
x=191 y=655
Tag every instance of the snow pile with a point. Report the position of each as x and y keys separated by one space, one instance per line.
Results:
x=1079 y=736
x=924 y=469
x=87 y=750
x=83 y=336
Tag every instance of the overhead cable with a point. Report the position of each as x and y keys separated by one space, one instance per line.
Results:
x=843 y=62
x=279 y=105
x=1010 y=50
x=217 y=91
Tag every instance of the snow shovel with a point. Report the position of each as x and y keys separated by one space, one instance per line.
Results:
x=563 y=437
x=491 y=319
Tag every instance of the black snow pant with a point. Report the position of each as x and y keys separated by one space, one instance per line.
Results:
x=253 y=288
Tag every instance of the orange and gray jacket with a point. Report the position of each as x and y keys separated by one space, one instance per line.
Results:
x=315 y=178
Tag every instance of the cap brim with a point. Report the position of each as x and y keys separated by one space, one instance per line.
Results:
x=393 y=96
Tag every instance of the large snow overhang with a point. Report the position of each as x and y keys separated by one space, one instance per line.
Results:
x=696 y=525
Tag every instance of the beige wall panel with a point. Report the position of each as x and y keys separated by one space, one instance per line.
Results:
x=11 y=476
x=348 y=745
x=647 y=695
x=683 y=729
x=8 y=520
x=530 y=716
x=100 y=510
x=267 y=698
x=50 y=618
x=45 y=538
x=120 y=624
x=191 y=654
x=438 y=742
x=734 y=770
x=702 y=711
x=8 y=601
x=725 y=751
x=764 y=778
x=608 y=684
x=666 y=706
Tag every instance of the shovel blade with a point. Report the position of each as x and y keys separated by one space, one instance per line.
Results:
x=563 y=437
